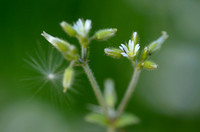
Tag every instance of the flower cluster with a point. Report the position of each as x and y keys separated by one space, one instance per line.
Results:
x=131 y=50
x=80 y=30
x=106 y=115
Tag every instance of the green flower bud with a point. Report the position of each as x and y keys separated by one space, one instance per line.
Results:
x=156 y=45
x=60 y=44
x=105 y=34
x=144 y=54
x=139 y=66
x=68 y=78
x=149 y=65
x=135 y=38
x=72 y=54
x=83 y=41
x=68 y=29
x=113 y=52
x=69 y=51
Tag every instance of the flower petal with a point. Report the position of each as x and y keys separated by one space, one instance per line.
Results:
x=87 y=25
x=124 y=48
x=131 y=45
x=137 y=47
x=121 y=48
x=124 y=54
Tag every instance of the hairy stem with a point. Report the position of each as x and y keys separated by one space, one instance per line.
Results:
x=96 y=88
x=83 y=53
x=129 y=92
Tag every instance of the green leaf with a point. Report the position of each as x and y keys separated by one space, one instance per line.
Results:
x=97 y=119
x=109 y=93
x=126 y=119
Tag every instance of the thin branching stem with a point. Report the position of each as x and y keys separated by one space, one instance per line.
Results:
x=129 y=92
x=83 y=53
x=96 y=88
x=94 y=84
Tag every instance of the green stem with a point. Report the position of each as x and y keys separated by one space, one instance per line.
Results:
x=96 y=88
x=111 y=128
x=83 y=53
x=129 y=92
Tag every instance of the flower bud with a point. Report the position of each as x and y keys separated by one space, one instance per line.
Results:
x=68 y=29
x=69 y=51
x=150 y=65
x=72 y=54
x=135 y=38
x=105 y=34
x=139 y=66
x=68 y=78
x=144 y=54
x=60 y=44
x=83 y=41
x=113 y=52
x=156 y=45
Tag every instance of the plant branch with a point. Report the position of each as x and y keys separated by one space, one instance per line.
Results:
x=129 y=92
x=83 y=53
x=111 y=128
x=96 y=88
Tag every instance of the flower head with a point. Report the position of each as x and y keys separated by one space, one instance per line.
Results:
x=82 y=27
x=130 y=50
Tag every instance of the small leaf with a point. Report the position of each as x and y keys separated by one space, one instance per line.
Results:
x=95 y=108
x=97 y=119
x=109 y=93
x=126 y=119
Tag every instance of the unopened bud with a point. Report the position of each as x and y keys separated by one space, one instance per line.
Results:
x=83 y=41
x=68 y=78
x=150 y=65
x=113 y=52
x=69 y=51
x=60 y=44
x=144 y=54
x=68 y=29
x=139 y=66
x=135 y=38
x=105 y=34
x=156 y=45
x=72 y=54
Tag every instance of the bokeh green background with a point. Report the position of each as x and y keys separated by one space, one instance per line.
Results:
x=166 y=100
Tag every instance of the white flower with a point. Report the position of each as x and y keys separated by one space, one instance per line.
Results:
x=130 y=50
x=82 y=27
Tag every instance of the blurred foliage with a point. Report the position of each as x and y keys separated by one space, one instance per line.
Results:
x=165 y=100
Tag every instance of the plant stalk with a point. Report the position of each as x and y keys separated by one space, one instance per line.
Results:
x=128 y=93
x=83 y=53
x=111 y=128
x=96 y=88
